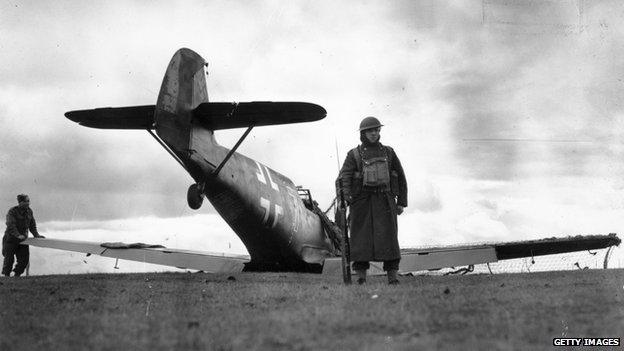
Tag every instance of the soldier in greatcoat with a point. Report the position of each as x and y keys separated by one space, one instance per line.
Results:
x=375 y=188
x=19 y=220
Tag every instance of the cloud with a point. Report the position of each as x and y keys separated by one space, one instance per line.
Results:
x=426 y=197
x=296 y=52
x=507 y=81
x=480 y=227
x=488 y=204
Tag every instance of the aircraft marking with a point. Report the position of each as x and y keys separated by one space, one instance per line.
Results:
x=259 y=174
x=262 y=176
x=278 y=211
x=273 y=184
x=266 y=205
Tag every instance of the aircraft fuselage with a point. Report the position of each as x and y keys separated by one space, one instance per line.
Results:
x=261 y=205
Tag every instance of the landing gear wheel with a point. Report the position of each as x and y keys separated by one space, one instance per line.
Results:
x=194 y=197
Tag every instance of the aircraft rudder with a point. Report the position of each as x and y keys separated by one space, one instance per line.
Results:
x=183 y=88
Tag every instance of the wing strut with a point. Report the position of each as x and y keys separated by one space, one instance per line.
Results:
x=195 y=194
x=231 y=152
x=162 y=143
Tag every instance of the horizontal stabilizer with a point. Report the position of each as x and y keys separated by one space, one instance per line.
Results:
x=131 y=117
x=203 y=261
x=225 y=115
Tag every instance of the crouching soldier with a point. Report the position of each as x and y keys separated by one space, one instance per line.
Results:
x=19 y=221
x=375 y=188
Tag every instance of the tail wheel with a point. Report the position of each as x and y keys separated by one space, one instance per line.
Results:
x=194 y=196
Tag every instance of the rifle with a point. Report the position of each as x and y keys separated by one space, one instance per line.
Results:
x=345 y=248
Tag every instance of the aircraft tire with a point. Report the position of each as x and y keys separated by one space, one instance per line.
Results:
x=194 y=197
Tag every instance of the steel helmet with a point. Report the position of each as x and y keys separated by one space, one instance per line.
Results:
x=369 y=123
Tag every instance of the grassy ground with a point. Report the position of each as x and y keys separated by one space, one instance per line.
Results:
x=271 y=311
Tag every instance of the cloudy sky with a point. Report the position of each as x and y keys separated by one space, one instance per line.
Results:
x=506 y=114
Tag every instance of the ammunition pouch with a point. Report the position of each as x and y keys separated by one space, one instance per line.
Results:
x=375 y=172
x=373 y=175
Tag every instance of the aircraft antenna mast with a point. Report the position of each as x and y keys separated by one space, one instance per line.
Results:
x=335 y=202
x=337 y=154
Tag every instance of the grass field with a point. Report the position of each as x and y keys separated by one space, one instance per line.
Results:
x=278 y=311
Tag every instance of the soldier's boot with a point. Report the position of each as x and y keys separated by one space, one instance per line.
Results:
x=361 y=273
x=392 y=277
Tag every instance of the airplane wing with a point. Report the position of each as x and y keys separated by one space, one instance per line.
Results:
x=432 y=258
x=185 y=259
x=213 y=115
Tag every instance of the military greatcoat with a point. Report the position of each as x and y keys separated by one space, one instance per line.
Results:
x=373 y=210
x=18 y=222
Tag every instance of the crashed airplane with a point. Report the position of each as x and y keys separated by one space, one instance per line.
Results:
x=279 y=223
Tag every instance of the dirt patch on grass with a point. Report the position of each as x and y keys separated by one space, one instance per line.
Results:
x=267 y=311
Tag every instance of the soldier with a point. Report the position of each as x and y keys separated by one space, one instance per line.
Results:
x=375 y=188
x=19 y=220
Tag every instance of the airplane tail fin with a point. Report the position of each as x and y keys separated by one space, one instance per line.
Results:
x=183 y=89
x=183 y=117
